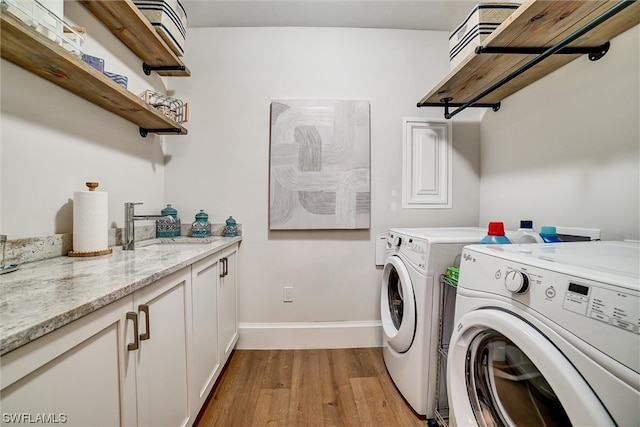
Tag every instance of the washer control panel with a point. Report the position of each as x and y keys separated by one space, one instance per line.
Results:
x=596 y=312
x=516 y=281
x=612 y=307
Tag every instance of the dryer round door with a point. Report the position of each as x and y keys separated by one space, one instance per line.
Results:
x=503 y=372
x=397 y=305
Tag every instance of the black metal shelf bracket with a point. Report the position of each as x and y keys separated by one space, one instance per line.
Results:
x=446 y=102
x=145 y=131
x=542 y=56
x=149 y=68
x=595 y=52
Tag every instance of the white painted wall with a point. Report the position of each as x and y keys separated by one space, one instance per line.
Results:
x=222 y=166
x=584 y=117
x=53 y=141
x=566 y=150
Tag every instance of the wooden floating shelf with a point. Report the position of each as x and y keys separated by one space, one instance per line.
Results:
x=34 y=52
x=123 y=19
x=536 y=23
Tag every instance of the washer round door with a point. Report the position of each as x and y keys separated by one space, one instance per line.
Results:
x=397 y=305
x=501 y=371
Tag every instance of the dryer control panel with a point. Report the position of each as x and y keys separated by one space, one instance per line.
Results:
x=413 y=248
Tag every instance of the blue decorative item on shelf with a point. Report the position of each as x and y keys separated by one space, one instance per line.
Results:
x=165 y=227
x=231 y=229
x=94 y=61
x=201 y=227
x=118 y=78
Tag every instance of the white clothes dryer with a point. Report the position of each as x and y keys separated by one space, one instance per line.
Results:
x=546 y=334
x=409 y=304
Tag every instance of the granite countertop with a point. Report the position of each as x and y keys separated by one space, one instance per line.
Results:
x=45 y=295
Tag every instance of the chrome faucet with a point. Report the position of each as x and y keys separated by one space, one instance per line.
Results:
x=129 y=224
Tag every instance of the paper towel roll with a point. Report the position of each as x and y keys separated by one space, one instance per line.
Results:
x=90 y=221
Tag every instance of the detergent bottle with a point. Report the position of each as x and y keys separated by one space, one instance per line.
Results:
x=549 y=234
x=525 y=234
x=495 y=234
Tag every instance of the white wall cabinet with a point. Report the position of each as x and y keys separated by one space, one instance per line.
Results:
x=427 y=163
x=150 y=358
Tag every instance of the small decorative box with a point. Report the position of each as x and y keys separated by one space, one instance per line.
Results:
x=94 y=61
x=120 y=79
x=170 y=20
x=481 y=22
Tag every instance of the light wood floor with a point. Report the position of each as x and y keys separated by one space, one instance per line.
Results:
x=342 y=387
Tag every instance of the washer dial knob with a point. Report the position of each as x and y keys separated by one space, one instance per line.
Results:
x=397 y=241
x=516 y=282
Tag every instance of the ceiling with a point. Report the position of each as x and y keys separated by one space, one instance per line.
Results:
x=438 y=15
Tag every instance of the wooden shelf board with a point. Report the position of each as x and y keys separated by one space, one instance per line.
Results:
x=34 y=52
x=537 y=23
x=124 y=20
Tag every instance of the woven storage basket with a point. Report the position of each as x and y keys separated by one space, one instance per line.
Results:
x=173 y=108
x=480 y=23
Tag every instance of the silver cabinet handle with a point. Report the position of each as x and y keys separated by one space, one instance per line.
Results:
x=147 y=334
x=134 y=318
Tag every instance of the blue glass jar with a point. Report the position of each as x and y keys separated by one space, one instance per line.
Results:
x=231 y=228
x=201 y=227
x=166 y=227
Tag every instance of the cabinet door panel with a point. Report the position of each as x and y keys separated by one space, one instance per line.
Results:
x=162 y=358
x=227 y=302
x=206 y=359
x=77 y=375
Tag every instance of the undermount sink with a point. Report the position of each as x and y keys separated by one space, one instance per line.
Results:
x=176 y=244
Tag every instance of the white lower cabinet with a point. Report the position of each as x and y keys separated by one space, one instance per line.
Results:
x=79 y=375
x=214 y=319
x=205 y=357
x=148 y=359
x=228 y=302
x=161 y=359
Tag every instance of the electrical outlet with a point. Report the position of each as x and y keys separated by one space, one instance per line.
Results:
x=288 y=294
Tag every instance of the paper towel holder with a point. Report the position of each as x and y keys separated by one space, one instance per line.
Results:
x=92 y=187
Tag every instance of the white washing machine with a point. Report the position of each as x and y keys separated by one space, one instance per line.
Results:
x=410 y=296
x=546 y=334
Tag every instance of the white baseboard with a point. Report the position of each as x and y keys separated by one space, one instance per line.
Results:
x=309 y=335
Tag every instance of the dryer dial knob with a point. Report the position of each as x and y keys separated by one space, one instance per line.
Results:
x=397 y=241
x=516 y=282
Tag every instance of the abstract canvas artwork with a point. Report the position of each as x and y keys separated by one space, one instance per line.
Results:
x=320 y=165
